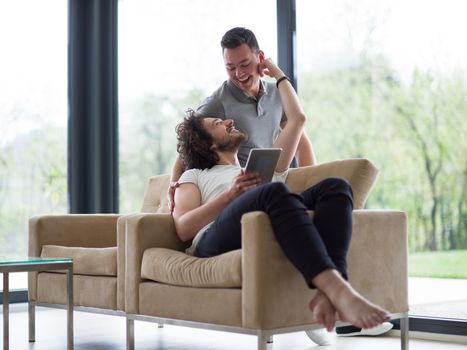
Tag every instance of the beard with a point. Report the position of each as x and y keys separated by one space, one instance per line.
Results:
x=232 y=143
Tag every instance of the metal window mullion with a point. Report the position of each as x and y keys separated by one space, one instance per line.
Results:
x=286 y=39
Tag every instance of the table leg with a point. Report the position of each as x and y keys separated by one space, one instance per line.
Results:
x=130 y=334
x=6 y=333
x=70 y=308
x=32 y=321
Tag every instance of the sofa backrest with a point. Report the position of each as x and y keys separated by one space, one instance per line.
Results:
x=155 y=196
x=360 y=173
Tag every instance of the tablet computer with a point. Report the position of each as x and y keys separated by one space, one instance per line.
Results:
x=264 y=161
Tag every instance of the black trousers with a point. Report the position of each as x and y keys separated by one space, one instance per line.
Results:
x=312 y=245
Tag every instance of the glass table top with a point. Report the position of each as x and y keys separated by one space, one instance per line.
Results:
x=18 y=259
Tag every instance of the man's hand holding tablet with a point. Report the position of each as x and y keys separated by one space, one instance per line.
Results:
x=263 y=161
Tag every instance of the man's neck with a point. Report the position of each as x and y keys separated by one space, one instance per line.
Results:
x=254 y=92
x=227 y=158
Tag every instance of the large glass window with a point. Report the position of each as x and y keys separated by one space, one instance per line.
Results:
x=170 y=59
x=33 y=118
x=387 y=80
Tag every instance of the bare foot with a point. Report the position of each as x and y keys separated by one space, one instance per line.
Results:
x=350 y=305
x=355 y=309
x=323 y=311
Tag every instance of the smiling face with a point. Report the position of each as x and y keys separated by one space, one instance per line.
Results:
x=241 y=64
x=225 y=136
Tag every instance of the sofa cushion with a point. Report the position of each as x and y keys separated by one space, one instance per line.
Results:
x=86 y=261
x=359 y=172
x=91 y=291
x=177 y=268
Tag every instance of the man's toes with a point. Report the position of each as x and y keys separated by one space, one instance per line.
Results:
x=319 y=319
x=330 y=322
x=360 y=323
x=373 y=322
x=373 y=318
x=378 y=318
x=384 y=315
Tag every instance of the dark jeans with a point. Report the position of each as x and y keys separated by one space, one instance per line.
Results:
x=312 y=245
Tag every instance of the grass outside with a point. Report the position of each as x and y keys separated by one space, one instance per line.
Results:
x=441 y=264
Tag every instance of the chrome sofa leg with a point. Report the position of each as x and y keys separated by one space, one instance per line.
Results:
x=130 y=334
x=262 y=341
x=270 y=339
x=404 y=325
x=160 y=325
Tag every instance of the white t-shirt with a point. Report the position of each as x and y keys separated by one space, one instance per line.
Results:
x=212 y=182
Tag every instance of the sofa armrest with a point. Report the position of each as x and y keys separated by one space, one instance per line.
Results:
x=145 y=231
x=72 y=230
x=275 y=294
x=121 y=259
x=378 y=258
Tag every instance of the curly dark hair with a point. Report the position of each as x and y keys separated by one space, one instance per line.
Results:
x=194 y=143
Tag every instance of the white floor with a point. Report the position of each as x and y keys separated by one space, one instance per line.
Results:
x=93 y=331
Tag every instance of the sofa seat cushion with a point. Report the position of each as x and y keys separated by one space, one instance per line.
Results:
x=177 y=268
x=91 y=291
x=86 y=261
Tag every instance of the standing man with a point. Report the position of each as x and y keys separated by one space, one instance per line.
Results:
x=252 y=103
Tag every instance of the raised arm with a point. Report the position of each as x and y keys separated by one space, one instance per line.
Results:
x=305 y=152
x=290 y=135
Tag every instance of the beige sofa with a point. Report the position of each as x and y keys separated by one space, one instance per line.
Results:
x=256 y=290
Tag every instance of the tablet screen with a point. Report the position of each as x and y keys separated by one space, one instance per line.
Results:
x=264 y=161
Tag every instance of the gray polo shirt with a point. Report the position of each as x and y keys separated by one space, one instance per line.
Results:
x=259 y=118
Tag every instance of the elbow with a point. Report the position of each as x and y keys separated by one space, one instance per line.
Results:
x=184 y=237
x=302 y=118
x=184 y=233
x=298 y=120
